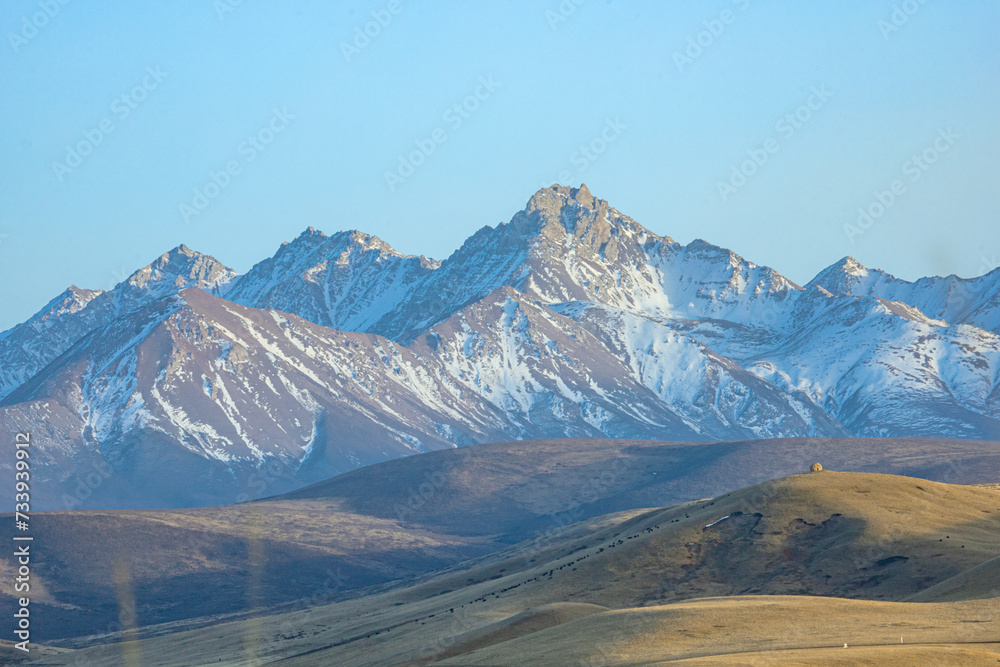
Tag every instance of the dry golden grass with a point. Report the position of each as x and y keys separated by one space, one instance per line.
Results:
x=938 y=655
x=404 y=518
x=726 y=627
x=776 y=551
x=519 y=625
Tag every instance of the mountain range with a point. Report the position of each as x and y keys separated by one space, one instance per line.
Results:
x=188 y=384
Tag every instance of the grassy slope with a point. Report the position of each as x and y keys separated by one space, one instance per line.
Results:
x=980 y=582
x=769 y=627
x=410 y=516
x=872 y=537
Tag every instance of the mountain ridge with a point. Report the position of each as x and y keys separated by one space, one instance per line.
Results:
x=570 y=320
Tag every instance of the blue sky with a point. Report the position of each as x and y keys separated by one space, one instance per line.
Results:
x=653 y=104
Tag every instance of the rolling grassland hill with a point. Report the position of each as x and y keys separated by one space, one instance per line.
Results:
x=782 y=571
x=388 y=523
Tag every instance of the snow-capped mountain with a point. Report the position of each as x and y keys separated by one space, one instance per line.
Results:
x=187 y=384
x=882 y=367
x=346 y=281
x=567 y=245
x=952 y=299
x=28 y=347
x=713 y=393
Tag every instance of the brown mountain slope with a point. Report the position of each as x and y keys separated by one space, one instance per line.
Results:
x=865 y=536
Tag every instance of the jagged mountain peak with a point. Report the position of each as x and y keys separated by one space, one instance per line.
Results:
x=951 y=299
x=573 y=217
x=577 y=220
x=553 y=199
x=75 y=291
x=846 y=264
x=312 y=239
x=567 y=245
x=75 y=298
x=346 y=281
x=180 y=255
x=181 y=267
x=363 y=240
x=71 y=300
x=580 y=195
x=849 y=277
x=29 y=347
x=703 y=248
x=78 y=295
x=309 y=235
x=854 y=267
x=567 y=216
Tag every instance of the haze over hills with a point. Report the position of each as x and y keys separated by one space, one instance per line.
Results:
x=645 y=584
x=571 y=320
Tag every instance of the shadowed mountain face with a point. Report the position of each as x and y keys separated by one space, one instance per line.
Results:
x=770 y=549
x=188 y=385
x=406 y=517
